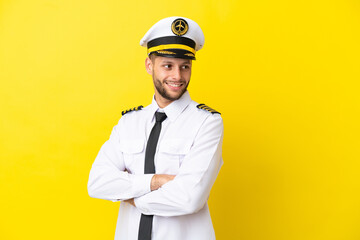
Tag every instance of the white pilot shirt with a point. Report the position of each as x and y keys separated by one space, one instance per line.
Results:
x=189 y=146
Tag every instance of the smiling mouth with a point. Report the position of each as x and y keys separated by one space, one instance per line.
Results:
x=174 y=86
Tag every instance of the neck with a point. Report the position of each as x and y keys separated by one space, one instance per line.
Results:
x=161 y=102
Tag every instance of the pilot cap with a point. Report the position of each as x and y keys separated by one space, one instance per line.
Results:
x=176 y=37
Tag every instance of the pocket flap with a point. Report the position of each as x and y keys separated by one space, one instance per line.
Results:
x=175 y=146
x=132 y=146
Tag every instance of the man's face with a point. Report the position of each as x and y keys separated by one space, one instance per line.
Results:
x=171 y=76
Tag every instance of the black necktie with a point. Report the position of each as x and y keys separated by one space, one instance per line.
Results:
x=146 y=220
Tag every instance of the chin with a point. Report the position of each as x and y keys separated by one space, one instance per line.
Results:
x=173 y=97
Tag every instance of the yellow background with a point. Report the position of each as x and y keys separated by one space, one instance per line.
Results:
x=284 y=74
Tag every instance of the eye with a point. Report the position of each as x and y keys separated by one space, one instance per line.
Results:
x=185 y=67
x=168 y=66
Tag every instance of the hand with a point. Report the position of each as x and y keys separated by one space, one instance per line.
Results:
x=156 y=182
x=160 y=179
x=130 y=201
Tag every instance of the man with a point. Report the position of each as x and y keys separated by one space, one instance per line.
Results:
x=162 y=160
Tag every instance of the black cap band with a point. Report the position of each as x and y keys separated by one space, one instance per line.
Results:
x=171 y=40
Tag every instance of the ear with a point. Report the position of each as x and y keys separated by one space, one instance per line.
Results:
x=149 y=66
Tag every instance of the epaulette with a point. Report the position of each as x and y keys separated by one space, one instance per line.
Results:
x=209 y=109
x=132 y=109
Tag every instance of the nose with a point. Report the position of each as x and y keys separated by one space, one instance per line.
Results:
x=176 y=74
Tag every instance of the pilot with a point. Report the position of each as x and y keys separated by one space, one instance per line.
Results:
x=162 y=160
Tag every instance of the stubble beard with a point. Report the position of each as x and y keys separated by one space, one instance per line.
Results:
x=162 y=91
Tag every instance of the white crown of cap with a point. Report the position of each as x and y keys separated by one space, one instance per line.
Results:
x=163 y=29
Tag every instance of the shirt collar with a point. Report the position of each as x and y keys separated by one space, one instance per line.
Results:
x=174 y=109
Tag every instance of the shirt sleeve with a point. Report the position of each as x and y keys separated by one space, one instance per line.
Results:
x=108 y=176
x=190 y=189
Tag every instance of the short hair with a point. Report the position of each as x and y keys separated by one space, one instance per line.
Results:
x=152 y=56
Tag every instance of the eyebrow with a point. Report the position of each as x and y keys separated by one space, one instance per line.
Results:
x=168 y=61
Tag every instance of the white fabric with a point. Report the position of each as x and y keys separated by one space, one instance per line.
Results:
x=189 y=147
x=163 y=29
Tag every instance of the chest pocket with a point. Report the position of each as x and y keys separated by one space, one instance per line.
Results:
x=171 y=154
x=134 y=154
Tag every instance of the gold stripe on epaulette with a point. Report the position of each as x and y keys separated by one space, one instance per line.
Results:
x=206 y=108
x=132 y=109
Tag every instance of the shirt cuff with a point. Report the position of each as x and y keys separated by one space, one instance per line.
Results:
x=141 y=184
x=141 y=206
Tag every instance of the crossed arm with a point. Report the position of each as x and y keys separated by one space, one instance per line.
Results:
x=161 y=194
x=156 y=182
